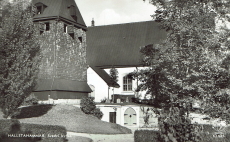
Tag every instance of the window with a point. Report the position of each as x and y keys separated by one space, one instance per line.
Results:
x=44 y=27
x=72 y=11
x=65 y=28
x=80 y=39
x=40 y=8
x=69 y=29
x=47 y=26
x=41 y=27
x=127 y=83
x=72 y=35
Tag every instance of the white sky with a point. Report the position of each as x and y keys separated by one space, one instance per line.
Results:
x=106 y=12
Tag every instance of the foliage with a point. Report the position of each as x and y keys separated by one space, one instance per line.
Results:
x=33 y=111
x=146 y=136
x=88 y=106
x=19 y=56
x=219 y=105
x=191 y=63
x=15 y=127
x=175 y=126
x=103 y=100
x=114 y=75
x=146 y=113
x=97 y=112
x=30 y=100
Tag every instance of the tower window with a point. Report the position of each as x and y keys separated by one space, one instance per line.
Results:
x=41 y=27
x=40 y=8
x=80 y=39
x=72 y=35
x=72 y=11
x=65 y=28
x=47 y=26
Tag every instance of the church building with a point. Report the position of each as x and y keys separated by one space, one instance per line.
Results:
x=63 y=69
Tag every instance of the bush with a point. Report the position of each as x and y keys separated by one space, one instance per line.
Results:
x=49 y=133
x=175 y=126
x=88 y=106
x=33 y=111
x=15 y=133
x=97 y=112
x=146 y=136
x=30 y=100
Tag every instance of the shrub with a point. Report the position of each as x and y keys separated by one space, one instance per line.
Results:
x=146 y=136
x=30 y=100
x=33 y=111
x=88 y=106
x=14 y=130
x=103 y=100
x=97 y=112
x=175 y=126
x=46 y=131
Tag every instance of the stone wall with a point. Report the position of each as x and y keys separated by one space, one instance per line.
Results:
x=62 y=56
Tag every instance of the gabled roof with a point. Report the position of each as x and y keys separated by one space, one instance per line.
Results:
x=58 y=9
x=119 y=45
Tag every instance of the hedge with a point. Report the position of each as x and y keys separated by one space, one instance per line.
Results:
x=49 y=133
x=207 y=135
x=146 y=136
x=33 y=111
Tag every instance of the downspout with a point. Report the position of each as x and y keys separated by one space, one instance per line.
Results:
x=137 y=83
x=108 y=93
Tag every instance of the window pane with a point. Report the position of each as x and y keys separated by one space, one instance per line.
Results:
x=129 y=87
x=124 y=87
x=124 y=80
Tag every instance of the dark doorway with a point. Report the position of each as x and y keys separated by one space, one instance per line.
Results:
x=112 y=117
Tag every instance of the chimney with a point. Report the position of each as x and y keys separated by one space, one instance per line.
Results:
x=92 y=23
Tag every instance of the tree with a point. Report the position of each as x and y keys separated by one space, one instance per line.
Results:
x=187 y=65
x=19 y=56
x=190 y=61
x=114 y=77
x=88 y=106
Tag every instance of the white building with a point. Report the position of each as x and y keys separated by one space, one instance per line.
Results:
x=118 y=46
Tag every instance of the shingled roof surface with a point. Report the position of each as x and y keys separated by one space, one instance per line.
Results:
x=62 y=85
x=119 y=45
x=59 y=9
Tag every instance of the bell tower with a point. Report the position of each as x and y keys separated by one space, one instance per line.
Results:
x=63 y=68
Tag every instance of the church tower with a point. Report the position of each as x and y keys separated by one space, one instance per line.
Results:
x=63 y=69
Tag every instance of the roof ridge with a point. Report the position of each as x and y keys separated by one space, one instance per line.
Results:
x=124 y=23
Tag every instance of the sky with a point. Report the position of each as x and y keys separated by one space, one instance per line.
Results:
x=107 y=12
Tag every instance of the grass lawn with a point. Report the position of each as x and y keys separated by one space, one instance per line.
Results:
x=73 y=119
x=79 y=139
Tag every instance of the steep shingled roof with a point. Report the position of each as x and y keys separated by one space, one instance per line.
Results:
x=58 y=9
x=119 y=45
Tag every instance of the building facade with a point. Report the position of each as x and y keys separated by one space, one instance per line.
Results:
x=63 y=68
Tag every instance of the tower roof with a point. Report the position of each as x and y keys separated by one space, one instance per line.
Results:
x=60 y=9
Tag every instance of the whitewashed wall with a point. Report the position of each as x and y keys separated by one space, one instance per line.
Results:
x=101 y=88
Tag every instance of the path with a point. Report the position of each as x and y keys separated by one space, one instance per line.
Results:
x=104 y=137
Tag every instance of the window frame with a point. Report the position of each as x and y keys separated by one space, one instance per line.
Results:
x=127 y=83
x=42 y=8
